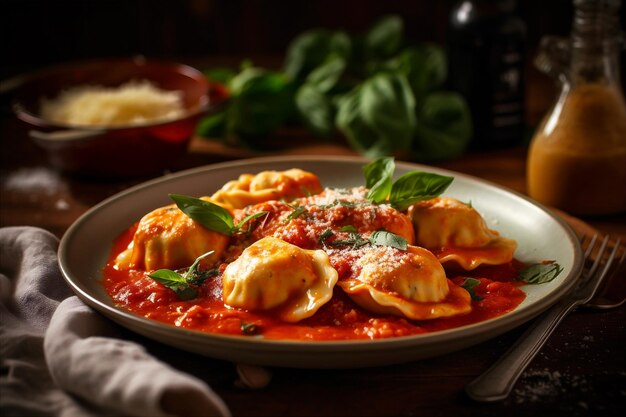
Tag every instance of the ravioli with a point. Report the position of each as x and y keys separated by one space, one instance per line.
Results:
x=409 y=283
x=251 y=189
x=457 y=233
x=272 y=274
x=167 y=238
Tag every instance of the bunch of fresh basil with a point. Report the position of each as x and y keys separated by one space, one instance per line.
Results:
x=383 y=96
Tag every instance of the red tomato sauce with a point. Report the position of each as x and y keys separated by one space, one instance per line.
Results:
x=339 y=319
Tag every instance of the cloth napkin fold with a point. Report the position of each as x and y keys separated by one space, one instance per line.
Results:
x=60 y=358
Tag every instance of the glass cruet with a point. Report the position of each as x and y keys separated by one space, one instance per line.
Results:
x=577 y=157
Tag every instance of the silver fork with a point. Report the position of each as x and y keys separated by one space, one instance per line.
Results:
x=496 y=383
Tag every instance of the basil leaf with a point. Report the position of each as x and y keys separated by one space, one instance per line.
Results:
x=385 y=238
x=469 y=285
x=176 y=282
x=221 y=75
x=388 y=106
x=348 y=228
x=425 y=66
x=307 y=51
x=326 y=76
x=378 y=116
x=315 y=109
x=379 y=178
x=540 y=273
x=417 y=186
x=261 y=101
x=444 y=127
x=213 y=126
x=209 y=215
x=385 y=37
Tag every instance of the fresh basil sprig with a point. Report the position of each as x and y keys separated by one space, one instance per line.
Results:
x=210 y=215
x=469 y=284
x=540 y=273
x=408 y=189
x=178 y=283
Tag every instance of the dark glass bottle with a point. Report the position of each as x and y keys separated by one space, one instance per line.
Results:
x=486 y=51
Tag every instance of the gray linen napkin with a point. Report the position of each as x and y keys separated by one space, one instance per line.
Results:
x=60 y=358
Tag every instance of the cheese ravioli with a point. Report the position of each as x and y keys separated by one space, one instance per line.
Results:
x=457 y=233
x=409 y=283
x=272 y=274
x=167 y=238
x=267 y=185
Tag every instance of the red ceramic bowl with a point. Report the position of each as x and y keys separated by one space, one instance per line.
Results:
x=132 y=150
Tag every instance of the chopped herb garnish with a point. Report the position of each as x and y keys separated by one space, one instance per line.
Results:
x=324 y=236
x=181 y=284
x=540 y=273
x=249 y=329
x=306 y=191
x=345 y=203
x=246 y=219
x=348 y=228
x=469 y=284
x=385 y=238
x=297 y=212
x=198 y=277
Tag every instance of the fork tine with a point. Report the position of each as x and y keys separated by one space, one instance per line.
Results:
x=607 y=265
x=608 y=297
x=599 y=256
x=591 y=245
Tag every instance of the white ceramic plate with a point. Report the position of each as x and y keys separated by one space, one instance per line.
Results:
x=540 y=236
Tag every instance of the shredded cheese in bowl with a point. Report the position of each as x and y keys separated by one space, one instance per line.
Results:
x=132 y=103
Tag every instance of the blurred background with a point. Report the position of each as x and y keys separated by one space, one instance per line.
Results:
x=37 y=33
x=205 y=33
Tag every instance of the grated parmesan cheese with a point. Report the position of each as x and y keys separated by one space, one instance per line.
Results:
x=135 y=102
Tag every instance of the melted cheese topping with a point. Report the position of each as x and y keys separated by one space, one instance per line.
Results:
x=408 y=283
x=167 y=238
x=273 y=274
x=457 y=233
x=267 y=185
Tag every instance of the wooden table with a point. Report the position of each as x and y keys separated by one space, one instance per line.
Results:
x=580 y=371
